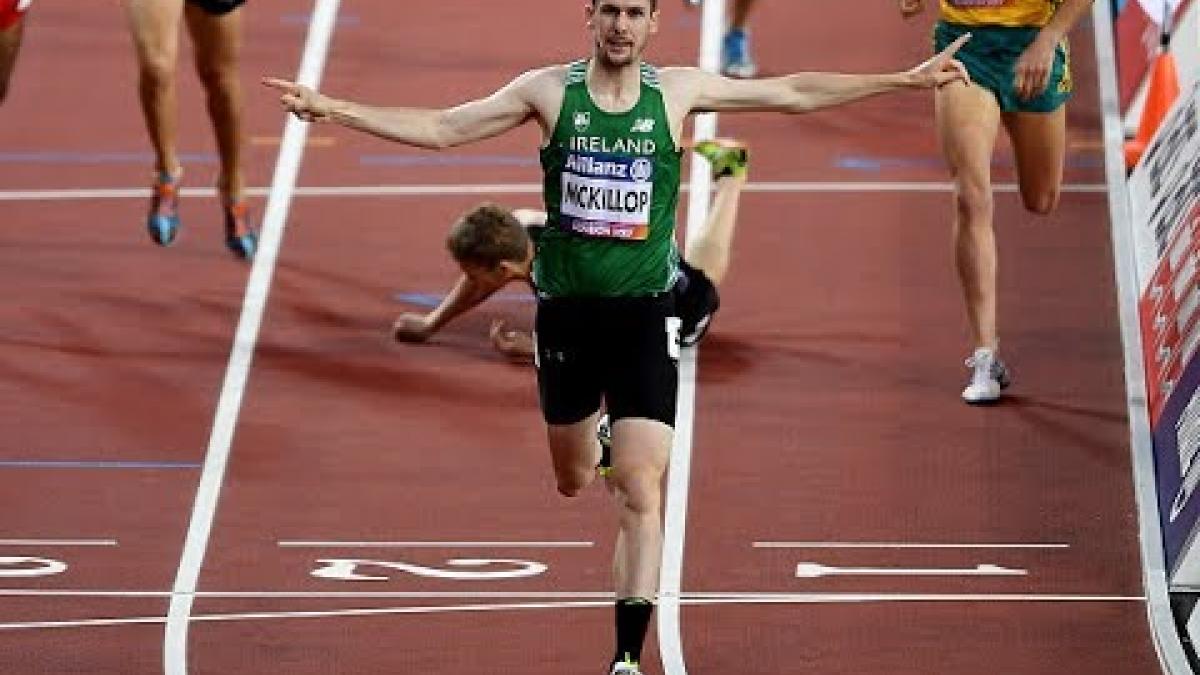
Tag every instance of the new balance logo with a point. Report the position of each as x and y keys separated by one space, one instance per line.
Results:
x=642 y=125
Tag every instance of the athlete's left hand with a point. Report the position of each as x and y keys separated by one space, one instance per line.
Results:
x=514 y=344
x=1034 y=67
x=943 y=68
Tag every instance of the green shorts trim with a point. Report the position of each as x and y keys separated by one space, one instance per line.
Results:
x=991 y=57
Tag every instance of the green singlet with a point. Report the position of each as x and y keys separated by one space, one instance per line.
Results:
x=611 y=188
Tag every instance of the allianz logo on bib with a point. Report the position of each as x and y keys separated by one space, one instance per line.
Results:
x=637 y=169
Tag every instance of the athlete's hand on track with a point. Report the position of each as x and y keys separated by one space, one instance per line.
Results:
x=1033 y=68
x=301 y=101
x=911 y=8
x=514 y=344
x=943 y=68
x=411 y=328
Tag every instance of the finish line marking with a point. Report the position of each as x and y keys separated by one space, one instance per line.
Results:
x=434 y=190
x=693 y=599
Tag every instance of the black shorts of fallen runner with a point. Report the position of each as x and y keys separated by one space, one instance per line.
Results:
x=217 y=7
x=696 y=301
x=623 y=352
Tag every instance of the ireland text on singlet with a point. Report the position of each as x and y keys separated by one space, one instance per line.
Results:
x=611 y=188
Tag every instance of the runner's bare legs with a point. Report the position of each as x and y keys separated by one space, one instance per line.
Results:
x=709 y=250
x=641 y=449
x=1040 y=144
x=154 y=25
x=217 y=40
x=968 y=118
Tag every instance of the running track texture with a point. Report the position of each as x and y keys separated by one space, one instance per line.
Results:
x=845 y=513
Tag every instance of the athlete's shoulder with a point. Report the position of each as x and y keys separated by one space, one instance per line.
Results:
x=554 y=73
x=673 y=76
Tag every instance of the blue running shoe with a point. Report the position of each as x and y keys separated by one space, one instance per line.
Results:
x=163 y=221
x=735 y=54
x=240 y=238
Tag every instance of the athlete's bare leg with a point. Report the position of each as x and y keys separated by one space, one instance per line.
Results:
x=154 y=25
x=1040 y=143
x=709 y=250
x=968 y=119
x=641 y=448
x=575 y=452
x=10 y=46
x=216 y=41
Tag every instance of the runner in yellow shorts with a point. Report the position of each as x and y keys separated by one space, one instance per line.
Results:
x=1021 y=78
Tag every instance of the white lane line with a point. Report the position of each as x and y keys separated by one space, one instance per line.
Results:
x=436 y=544
x=685 y=598
x=899 y=545
x=310 y=595
x=811 y=570
x=236 y=374
x=58 y=542
x=694 y=599
x=670 y=581
x=435 y=190
x=843 y=598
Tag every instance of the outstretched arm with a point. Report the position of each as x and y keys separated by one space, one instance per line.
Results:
x=430 y=128
x=806 y=92
x=466 y=295
x=1034 y=67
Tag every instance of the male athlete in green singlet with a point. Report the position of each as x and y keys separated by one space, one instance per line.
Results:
x=607 y=332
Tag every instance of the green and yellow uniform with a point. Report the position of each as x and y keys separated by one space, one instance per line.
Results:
x=1011 y=13
x=1001 y=30
x=611 y=188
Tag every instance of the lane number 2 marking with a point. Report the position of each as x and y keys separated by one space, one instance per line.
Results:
x=26 y=566
x=458 y=569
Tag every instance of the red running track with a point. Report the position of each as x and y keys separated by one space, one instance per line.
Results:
x=826 y=412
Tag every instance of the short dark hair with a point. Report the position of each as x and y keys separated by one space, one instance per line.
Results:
x=488 y=235
x=653 y=5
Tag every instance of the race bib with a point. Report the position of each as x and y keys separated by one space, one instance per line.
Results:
x=607 y=195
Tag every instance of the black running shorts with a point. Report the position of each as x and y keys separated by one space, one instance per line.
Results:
x=622 y=351
x=696 y=300
x=217 y=7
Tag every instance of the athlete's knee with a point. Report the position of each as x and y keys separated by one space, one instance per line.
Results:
x=974 y=202
x=1041 y=203
x=571 y=483
x=158 y=70
x=220 y=76
x=640 y=489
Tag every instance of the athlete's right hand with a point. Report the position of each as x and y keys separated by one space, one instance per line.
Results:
x=411 y=328
x=301 y=101
x=911 y=8
x=514 y=344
